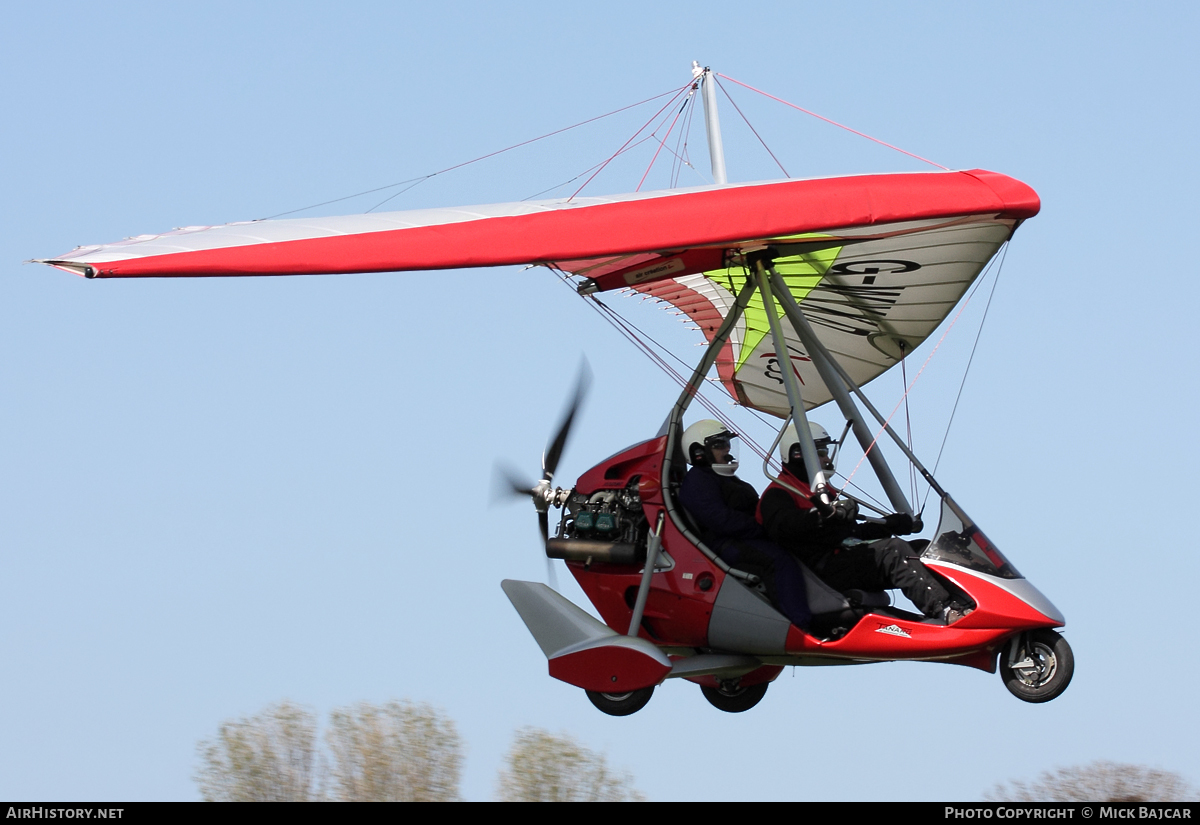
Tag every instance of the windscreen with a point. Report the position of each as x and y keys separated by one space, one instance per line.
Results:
x=959 y=541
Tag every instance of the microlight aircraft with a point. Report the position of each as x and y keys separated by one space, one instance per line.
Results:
x=805 y=290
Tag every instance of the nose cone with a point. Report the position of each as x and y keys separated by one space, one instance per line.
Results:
x=1026 y=592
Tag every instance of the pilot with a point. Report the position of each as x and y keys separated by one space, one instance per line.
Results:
x=724 y=507
x=843 y=553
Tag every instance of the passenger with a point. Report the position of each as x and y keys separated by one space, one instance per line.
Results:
x=826 y=541
x=725 y=506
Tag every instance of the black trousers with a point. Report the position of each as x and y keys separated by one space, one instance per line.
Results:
x=882 y=565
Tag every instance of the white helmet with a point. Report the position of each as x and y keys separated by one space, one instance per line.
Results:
x=820 y=437
x=701 y=437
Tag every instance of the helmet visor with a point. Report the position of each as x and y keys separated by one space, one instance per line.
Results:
x=723 y=450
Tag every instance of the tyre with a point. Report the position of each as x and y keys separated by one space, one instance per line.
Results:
x=621 y=704
x=735 y=699
x=1043 y=669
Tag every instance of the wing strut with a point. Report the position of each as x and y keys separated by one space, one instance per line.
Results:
x=833 y=380
x=763 y=269
x=822 y=358
x=653 y=543
x=673 y=426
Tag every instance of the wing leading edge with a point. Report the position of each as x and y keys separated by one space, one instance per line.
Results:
x=600 y=234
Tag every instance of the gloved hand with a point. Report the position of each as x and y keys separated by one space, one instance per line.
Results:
x=826 y=510
x=902 y=524
x=845 y=511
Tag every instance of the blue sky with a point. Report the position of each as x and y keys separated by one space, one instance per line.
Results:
x=217 y=494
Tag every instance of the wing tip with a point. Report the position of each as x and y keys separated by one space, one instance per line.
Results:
x=74 y=267
x=1019 y=198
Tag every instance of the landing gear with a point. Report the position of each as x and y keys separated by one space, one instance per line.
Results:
x=1037 y=666
x=621 y=704
x=732 y=698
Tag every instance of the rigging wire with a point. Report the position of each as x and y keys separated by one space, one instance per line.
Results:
x=634 y=334
x=401 y=192
x=413 y=181
x=639 y=339
x=663 y=141
x=753 y=412
x=627 y=148
x=422 y=178
x=728 y=96
x=666 y=106
x=848 y=483
x=833 y=122
x=585 y=171
x=631 y=333
x=410 y=183
x=966 y=372
x=678 y=162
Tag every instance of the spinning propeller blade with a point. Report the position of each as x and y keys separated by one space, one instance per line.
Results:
x=507 y=482
x=554 y=451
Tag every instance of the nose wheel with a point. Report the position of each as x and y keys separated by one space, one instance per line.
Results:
x=1037 y=666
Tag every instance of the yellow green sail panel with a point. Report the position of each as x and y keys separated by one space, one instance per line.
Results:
x=870 y=296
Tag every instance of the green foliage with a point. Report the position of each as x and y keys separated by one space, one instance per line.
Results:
x=1098 y=782
x=542 y=767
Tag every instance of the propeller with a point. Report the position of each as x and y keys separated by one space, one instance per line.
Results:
x=543 y=494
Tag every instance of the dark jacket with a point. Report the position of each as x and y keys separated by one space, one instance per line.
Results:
x=791 y=520
x=723 y=506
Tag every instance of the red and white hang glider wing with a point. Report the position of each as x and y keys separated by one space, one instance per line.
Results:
x=875 y=261
x=593 y=236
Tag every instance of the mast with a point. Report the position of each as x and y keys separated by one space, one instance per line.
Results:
x=712 y=121
x=831 y=372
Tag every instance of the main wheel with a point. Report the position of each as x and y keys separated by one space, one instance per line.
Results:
x=621 y=704
x=735 y=699
x=1043 y=668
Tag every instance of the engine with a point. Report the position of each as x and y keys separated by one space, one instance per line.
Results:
x=607 y=526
